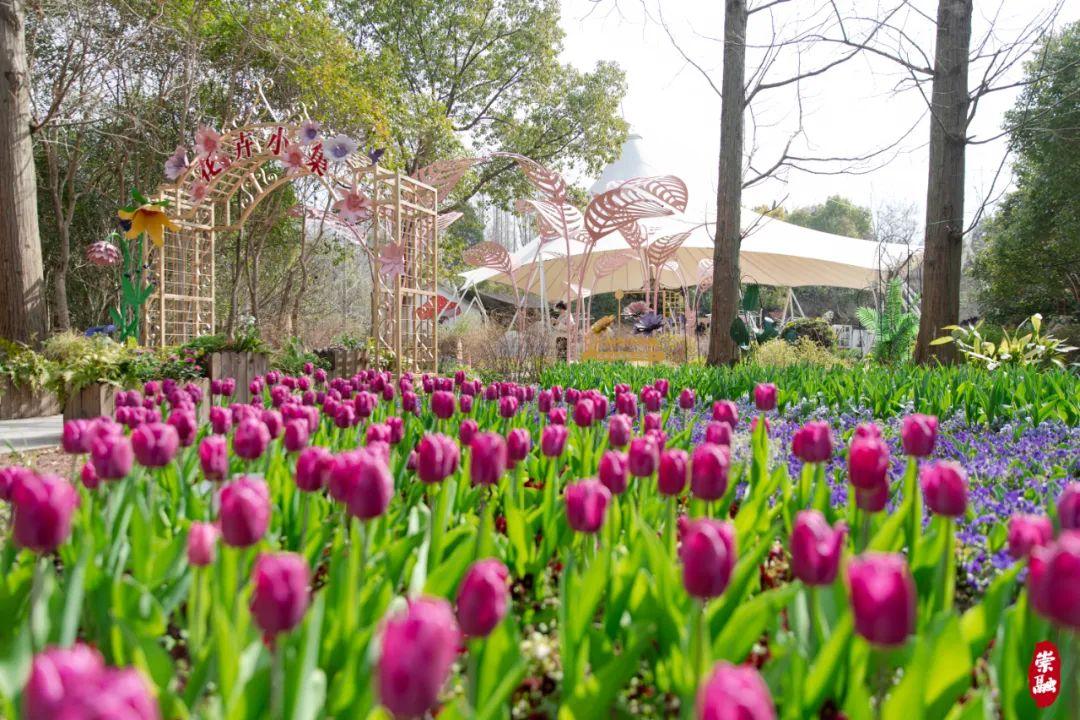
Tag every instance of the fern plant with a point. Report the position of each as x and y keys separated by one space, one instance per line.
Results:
x=894 y=329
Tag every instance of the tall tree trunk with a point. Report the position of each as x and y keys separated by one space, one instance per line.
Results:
x=725 y=287
x=945 y=188
x=64 y=197
x=22 y=291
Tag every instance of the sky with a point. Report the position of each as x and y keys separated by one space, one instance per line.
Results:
x=850 y=110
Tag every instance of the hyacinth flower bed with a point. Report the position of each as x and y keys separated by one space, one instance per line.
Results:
x=434 y=547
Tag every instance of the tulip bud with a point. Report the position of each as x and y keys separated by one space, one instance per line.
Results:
x=557 y=416
x=652 y=399
x=377 y=433
x=583 y=412
x=652 y=421
x=419 y=646
x=296 y=435
x=544 y=401
x=280 y=595
x=754 y=422
x=619 y=430
x=865 y=430
x=214 y=457
x=812 y=443
x=57 y=674
x=725 y=411
x=816 y=548
x=42 y=507
x=731 y=692
x=465 y=404
x=709 y=471
x=244 y=511
x=483 y=597
x=553 y=440
x=708 y=556
x=155 y=444
x=250 y=439
x=1068 y=509
x=586 y=503
x=613 y=471
x=868 y=463
x=442 y=404
x=918 y=434
x=467 y=431
x=89 y=477
x=644 y=456
x=1027 y=532
x=112 y=455
x=945 y=488
x=673 y=471
x=1054 y=580
x=362 y=481
x=220 y=419
x=313 y=468
x=765 y=396
x=183 y=422
x=10 y=477
x=487 y=459
x=437 y=457
x=687 y=399
x=508 y=407
x=626 y=403
x=874 y=498
x=882 y=597
x=518 y=445
x=201 y=542
x=74 y=439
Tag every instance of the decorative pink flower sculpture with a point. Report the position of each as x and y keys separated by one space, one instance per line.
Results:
x=207 y=141
x=103 y=254
x=354 y=207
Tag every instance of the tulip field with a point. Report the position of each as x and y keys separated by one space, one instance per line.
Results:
x=606 y=544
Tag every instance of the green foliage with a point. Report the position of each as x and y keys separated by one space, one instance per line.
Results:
x=894 y=329
x=350 y=342
x=1032 y=248
x=1031 y=349
x=23 y=367
x=751 y=306
x=82 y=361
x=837 y=215
x=785 y=353
x=292 y=358
x=816 y=330
x=134 y=291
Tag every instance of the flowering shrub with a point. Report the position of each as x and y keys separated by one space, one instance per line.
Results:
x=383 y=546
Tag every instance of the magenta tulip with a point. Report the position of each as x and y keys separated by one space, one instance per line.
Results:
x=626 y=403
x=583 y=412
x=419 y=646
x=280 y=595
x=709 y=467
x=918 y=433
x=1068 y=508
x=74 y=683
x=874 y=498
x=765 y=396
x=273 y=422
x=10 y=477
x=673 y=471
x=364 y=404
x=296 y=435
x=812 y=443
x=883 y=598
x=220 y=419
x=945 y=488
x=201 y=543
x=613 y=471
x=483 y=597
x=687 y=399
x=734 y=692
x=868 y=462
x=487 y=458
x=442 y=404
x=718 y=433
x=557 y=416
x=644 y=456
x=619 y=430
x=437 y=457
x=816 y=548
x=183 y=421
x=155 y=444
x=313 y=468
x=74 y=438
x=361 y=480
x=725 y=411
x=89 y=477
x=544 y=401
x=42 y=507
x=1054 y=580
x=1027 y=532
x=244 y=511
x=214 y=457
x=708 y=557
x=467 y=431
x=652 y=421
x=518 y=445
x=586 y=504
x=508 y=407
x=112 y=455
x=250 y=439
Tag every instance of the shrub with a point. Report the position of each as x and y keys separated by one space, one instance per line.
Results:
x=1031 y=349
x=804 y=351
x=817 y=330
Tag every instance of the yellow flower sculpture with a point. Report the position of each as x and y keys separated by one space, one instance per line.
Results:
x=149 y=218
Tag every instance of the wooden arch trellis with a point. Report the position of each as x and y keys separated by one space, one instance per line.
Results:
x=394 y=216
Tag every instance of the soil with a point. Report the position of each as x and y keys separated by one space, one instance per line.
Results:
x=45 y=460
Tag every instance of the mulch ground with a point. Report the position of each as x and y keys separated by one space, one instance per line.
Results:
x=45 y=460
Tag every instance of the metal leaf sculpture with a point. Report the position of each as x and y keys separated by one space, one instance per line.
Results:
x=633 y=200
x=704 y=273
x=447 y=219
x=635 y=235
x=661 y=249
x=667 y=188
x=444 y=175
x=547 y=182
x=488 y=255
x=608 y=265
x=550 y=218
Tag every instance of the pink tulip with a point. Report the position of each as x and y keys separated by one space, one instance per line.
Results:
x=765 y=396
x=74 y=683
x=557 y=416
x=1027 y=532
x=644 y=456
x=718 y=433
x=273 y=422
x=1068 y=509
x=74 y=439
x=313 y=468
x=112 y=455
x=280 y=594
x=586 y=504
x=442 y=404
x=183 y=421
x=377 y=433
x=734 y=692
x=553 y=440
x=214 y=457
x=709 y=467
x=437 y=457
x=619 y=430
x=872 y=499
x=89 y=477
x=508 y=407
x=726 y=411
x=201 y=543
x=583 y=412
x=487 y=459
x=518 y=445
x=419 y=646
x=918 y=434
x=883 y=598
x=244 y=511
x=1054 y=580
x=296 y=435
x=361 y=480
x=397 y=429
x=626 y=403
x=868 y=462
x=220 y=419
x=11 y=476
x=364 y=404
x=662 y=385
x=544 y=401
x=945 y=488
x=483 y=597
x=42 y=508
x=467 y=431
x=812 y=443
x=865 y=430
x=687 y=399
x=613 y=471
x=673 y=471
x=652 y=421
x=816 y=548
x=708 y=557
x=250 y=439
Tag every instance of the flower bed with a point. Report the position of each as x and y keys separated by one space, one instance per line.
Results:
x=434 y=545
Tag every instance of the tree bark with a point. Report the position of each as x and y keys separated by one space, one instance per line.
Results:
x=22 y=291
x=725 y=287
x=943 y=245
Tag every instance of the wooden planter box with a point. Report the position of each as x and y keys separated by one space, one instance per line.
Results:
x=17 y=402
x=344 y=363
x=90 y=402
x=242 y=367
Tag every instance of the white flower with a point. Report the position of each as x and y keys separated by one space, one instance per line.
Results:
x=354 y=207
x=339 y=147
x=177 y=163
x=207 y=141
x=309 y=131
